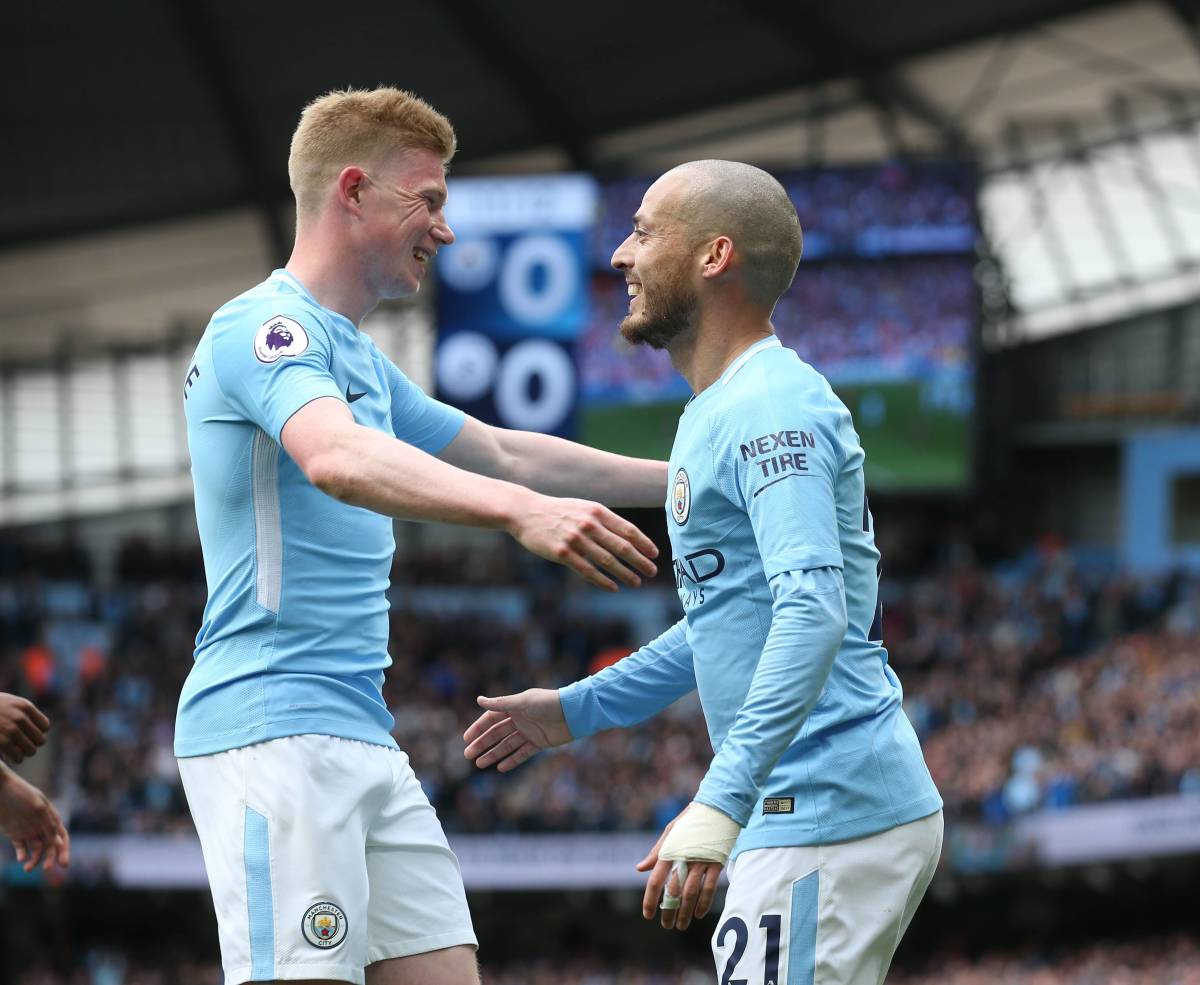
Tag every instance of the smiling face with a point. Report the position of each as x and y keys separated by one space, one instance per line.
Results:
x=657 y=261
x=403 y=206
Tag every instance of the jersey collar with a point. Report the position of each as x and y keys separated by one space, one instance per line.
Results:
x=284 y=276
x=771 y=342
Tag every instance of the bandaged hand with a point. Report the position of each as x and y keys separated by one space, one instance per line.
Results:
x=705 y=837
x=701 y=834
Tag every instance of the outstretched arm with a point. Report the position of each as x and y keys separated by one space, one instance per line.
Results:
x=557 y=467
x=514 y=727
x=30 y=820
x=292 y=396
x=632 y=689
x=364 y=467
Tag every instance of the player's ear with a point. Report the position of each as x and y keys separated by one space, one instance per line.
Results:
x=350 y=184
x=717 y=258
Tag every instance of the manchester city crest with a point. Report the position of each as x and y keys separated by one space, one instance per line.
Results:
x=324 y=925
x=681 y=497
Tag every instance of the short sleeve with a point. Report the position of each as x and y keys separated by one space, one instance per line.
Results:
x=776 y=458
x=269 y=370
x=417 y=418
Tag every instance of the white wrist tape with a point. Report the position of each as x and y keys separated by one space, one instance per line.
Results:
x=702 y=834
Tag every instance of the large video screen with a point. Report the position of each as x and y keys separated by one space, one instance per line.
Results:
x=884 y=305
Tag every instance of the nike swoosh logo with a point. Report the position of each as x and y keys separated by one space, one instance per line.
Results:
x=351 y=397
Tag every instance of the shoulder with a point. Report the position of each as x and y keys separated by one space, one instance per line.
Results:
x=775 y=401
x=269 y=323
x=777 y=384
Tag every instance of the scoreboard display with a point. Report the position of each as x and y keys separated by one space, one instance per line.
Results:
x=513 y=298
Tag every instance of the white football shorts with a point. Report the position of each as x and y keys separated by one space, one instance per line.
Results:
x=324 y=856
x=825 y=914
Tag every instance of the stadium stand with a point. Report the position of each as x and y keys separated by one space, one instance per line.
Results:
x=1039 y=683
x=1164 y=961
x=998 y=203
x=909 y=316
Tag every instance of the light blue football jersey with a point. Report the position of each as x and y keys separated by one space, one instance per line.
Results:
x=766 y=503
x=295 y=631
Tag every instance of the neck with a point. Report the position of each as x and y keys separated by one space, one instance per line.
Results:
x=721 y=334
x=319 y=261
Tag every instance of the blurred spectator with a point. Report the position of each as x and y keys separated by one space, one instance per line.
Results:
x=1173 y=961
x=852 y=318
x=908 y=319
x=1036 y=684
x=872 y=210
x=1162 y=961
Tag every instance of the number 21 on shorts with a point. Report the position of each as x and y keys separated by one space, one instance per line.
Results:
x=735 y=927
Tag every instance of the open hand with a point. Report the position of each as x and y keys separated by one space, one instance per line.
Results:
x=30 y=820
x=514 y=727
x=587 y=537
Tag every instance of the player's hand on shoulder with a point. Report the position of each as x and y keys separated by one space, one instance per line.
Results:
x=22 y=728
x=30 y=820
x=587 y=537
x=514 y=727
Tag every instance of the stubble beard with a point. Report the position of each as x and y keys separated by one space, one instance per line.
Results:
x=672 y=314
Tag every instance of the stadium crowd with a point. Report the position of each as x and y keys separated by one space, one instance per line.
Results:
x=1158 y=961
x=907 y=315
x=1165 y=961
x=841 y=210
x=1035 y=684
x=906 y=319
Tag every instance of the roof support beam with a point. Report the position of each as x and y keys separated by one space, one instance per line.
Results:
x=1188 y=12
x=1015 y=21
x=1114 y=242
x=814 y=132
x=1168 y=223
x=1042 y=218
x=199 y=35
x=1187 y=128
x=819 y=107
x=889 y=122
x=815 y=35
x=496 y=48
x=1182 y=120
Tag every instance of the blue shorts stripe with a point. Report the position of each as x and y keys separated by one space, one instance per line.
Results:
x=802 y=936
x=259 y=905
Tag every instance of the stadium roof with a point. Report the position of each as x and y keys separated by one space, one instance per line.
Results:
x=170 y=120
x=1084 y=115
x=155 y=109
